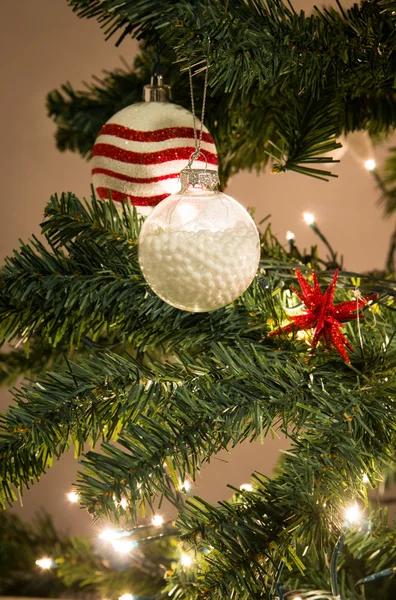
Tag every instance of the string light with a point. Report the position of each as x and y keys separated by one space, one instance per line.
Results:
x=123 y=546
x=126 y=597
x=246 y=487
x=186 y=485
x=108 y=535
x=157 y=520
x=370 y=164
x=365 y=478
x=73 y=497
x=290 y=237
x=186 y=560
x=309 y=218
x=123 y=503
x=45 y=562
x=304 y=336
x=352 y=514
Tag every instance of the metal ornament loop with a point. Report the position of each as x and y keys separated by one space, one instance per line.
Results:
x=194 y=156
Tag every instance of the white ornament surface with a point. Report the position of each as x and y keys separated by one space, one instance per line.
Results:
x=202 y=270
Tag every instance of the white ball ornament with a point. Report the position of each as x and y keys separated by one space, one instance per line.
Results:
x=140 y=151
x=199 y=249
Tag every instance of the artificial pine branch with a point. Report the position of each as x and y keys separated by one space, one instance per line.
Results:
x=229 y=383
x=320 y=421
x=332 y=74
x=82 y=570
x=387 y=184
x=75 y=404
x=293 y=129
x=178 y=387
x=31 y=358
x=89 y=284
x=352 y=47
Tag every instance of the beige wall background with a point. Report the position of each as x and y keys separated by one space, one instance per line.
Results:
x=42 y=45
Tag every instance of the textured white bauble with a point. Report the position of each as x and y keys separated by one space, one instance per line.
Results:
x=199 y=249
x=141 y=150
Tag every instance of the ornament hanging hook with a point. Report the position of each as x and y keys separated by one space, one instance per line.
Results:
x=156 y=71
x=198 y=141
x=194 y=156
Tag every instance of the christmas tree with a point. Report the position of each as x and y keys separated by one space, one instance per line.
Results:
x=148 y=393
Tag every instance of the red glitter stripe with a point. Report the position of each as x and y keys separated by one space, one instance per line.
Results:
x=159 y=135
x=123 y=177
x=148 y=158
x=137 y=200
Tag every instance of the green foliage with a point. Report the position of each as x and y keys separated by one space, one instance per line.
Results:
x=256 y=43
x=32 y=357
x=147 y=393
x=388 y=184
x=281 y=84
x=176 y=388
x=369 y=548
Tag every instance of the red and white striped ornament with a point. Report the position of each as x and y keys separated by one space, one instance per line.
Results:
x=141 y=150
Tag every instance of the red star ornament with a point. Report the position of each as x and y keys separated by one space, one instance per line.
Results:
x=323 y=315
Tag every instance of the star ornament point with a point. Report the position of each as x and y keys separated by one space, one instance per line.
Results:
x=323 y=316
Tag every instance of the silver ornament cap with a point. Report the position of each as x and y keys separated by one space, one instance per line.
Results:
x=206 y=178
x=157 y=91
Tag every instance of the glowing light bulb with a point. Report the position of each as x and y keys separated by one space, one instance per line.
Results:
x=123 y=546
x=365 y=478
x=297 y=598
x=185 y=486
x=108 y=535
x=352 y=514
x=45 y=562
x=186 y=560
x=309 y=218
x=157 y=520
x=290 y=236
x=305 y=336
x=246 y=487
x=124 y=503
x=73 y=497
x=370 y=164
x=126 y=597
